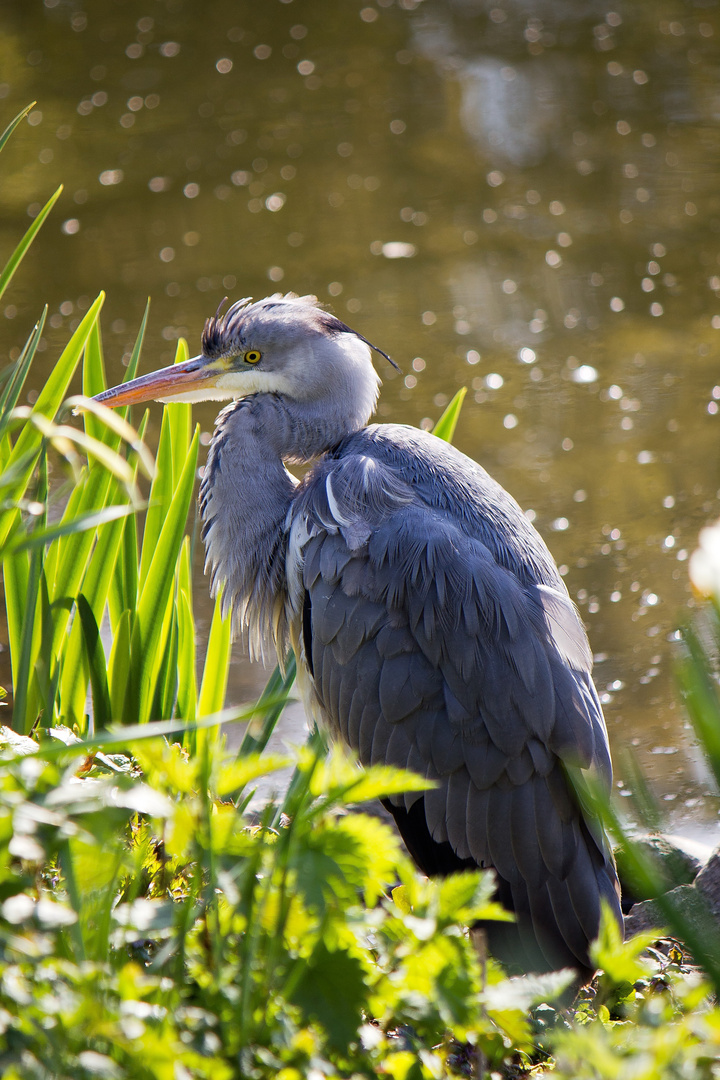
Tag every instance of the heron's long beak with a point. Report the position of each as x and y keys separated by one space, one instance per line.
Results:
x=192 y=380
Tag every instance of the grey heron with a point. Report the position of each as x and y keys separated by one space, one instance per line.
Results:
x=431 y=626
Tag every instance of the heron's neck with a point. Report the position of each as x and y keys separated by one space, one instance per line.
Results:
x=245 y=496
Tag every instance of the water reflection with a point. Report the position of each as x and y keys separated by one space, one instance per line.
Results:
x=524 y=205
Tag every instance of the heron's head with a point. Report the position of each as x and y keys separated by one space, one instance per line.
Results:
x=285 y=345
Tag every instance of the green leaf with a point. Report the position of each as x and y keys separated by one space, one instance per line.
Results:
x=217 y=661
x=119 y=665
x=233 y=776
x=445 y=426
x=19 y=371
x=622 y=961
x=28 y=634
x=270 y=705
x=16 y=580
x=166 y=677
x=331 y=992
x=19 y=253
x=180 y=418
x=186 y=659
x=156 y=595
x=132 y=367
x=344 y=781
x=95 y=588
x=47 y=404
x=14 y=123
x=467 y=897
x=123 y=595
x=161 y=493
x=94 y=383
x=79 y=524
x=74 y=550
x=96 y=658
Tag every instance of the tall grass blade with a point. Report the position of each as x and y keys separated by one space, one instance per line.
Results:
x=101 y=715
x=155 y=597
x=14 y=123
x=82 y=523
x=160 y=498
x=19 y=253
x=94 y=383
x=269 y=708
x=217 y=658
x=445 y=426
x=119 y=664
x=47 y=404
x=95 y=587
x=124 y=585
x=180 y=417
x=30 y=636
x=187 y=683
x=16 y=381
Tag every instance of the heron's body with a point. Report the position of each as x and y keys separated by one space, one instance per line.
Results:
x=431 y=627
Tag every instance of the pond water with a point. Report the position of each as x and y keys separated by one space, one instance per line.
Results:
x=524 y=205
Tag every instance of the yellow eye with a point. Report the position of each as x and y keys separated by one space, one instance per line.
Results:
x=252 y=356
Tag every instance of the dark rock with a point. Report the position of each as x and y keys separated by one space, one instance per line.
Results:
x=673 y=866
x=646 y=915
x=690 y=912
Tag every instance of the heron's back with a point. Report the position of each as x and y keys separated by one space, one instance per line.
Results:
x=437 y=635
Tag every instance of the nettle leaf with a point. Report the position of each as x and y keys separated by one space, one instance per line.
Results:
x=468 y=896
x=234 y=775
x=342 y=780
x=622 y=961
x=332 y=992
x=370 y=850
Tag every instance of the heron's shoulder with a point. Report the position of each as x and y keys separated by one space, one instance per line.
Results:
x=449 y=485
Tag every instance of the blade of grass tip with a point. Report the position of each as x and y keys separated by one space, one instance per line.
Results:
x=48 y=403
x=157 y=594
x=13 y=388
x=14 y=123
x=261 y=727
x=217 y=662
x=20 y=251
x=132 y=367
x=445 y=427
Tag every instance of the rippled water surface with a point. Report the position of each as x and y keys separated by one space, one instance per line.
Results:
x=528 y=206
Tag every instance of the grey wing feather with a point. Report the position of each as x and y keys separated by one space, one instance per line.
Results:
x=436 y=650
